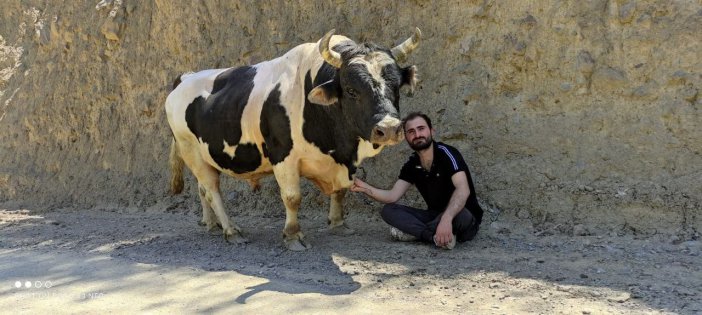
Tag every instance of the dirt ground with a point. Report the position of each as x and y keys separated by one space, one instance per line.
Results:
x=161 y=261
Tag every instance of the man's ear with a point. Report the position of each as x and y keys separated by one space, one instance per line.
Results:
x=409 y=78
x=323 y=94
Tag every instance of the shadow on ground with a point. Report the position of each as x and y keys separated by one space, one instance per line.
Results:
x=626 y=272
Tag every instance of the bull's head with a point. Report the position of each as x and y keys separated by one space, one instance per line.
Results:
x=367 y=85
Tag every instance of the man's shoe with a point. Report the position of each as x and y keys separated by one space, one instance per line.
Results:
x=401 y=236
x=450 y=245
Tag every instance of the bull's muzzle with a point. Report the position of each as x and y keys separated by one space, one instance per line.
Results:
x=387 y=132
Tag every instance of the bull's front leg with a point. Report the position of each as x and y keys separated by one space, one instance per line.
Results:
x=288 y=179
x=336 y=214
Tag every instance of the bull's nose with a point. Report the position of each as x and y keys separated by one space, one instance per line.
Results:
x=380 y=132
x=387 y=131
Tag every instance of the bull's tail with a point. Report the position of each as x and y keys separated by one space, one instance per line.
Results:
x=176 y=163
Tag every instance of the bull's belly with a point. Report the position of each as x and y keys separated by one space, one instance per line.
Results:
x=248 y=164
x=326 y=174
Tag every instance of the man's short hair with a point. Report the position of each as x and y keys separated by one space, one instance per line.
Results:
x=414 y=115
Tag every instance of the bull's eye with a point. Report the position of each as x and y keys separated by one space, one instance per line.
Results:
x=352 y=93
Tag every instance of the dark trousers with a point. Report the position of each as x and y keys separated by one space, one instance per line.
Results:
x=422 y=223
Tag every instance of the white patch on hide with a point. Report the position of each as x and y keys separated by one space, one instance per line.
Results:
x=229 y=150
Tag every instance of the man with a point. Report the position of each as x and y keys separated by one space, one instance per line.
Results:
x=442 y=178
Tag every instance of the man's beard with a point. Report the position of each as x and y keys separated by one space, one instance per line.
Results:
x=420 y=146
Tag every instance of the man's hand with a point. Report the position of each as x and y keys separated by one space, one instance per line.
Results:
x=444 y=233
x=382 y=195
x=360 y=186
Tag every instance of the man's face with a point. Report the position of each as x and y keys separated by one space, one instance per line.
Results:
x=418 y=134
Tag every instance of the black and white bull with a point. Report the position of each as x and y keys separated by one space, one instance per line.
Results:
x=316 y=112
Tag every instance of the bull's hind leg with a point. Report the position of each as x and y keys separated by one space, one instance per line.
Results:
x=289 y=181
x=208 y=184
x=336 y=214
x=209 y=220
x=232 y=233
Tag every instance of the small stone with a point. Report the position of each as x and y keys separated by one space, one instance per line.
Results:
x=689 y=94
x=563 y=289
x=493 y=285
x=111 y=30
x=626 y=12
x=678 y=77
x=566 y=86
x=580 y=230
x=684 y=292
x=609 y=77
x=523 y=214
x=586 y=63
x=620 y=298
x=529 y=21
x=640 y=91
x=500 y=228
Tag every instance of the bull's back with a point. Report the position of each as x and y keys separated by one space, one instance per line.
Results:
x=209 y=111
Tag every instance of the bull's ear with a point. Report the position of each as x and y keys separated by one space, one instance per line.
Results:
x=409 y=79
x=323 y=94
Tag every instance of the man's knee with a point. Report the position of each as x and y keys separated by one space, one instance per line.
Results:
x=463 y=220
x=465 y=225
x=387 y=212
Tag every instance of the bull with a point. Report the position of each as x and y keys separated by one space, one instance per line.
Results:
x=315 y=112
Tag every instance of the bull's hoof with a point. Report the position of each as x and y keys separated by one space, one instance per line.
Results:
x=209 y=225
x=297 y=245
x=214 y=230
x=232 y=236
x=341 y=230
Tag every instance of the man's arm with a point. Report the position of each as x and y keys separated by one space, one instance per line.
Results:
x=444 y=231
x=384 y=196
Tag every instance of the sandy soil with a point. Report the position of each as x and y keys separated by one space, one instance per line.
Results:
x=161 y=261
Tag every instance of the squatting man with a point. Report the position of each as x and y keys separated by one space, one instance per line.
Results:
x=444 y=181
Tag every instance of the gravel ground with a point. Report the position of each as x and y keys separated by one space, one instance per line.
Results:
x=160 y=261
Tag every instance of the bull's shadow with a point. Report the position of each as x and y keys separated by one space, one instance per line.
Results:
x=176 y=240
x=264 y=256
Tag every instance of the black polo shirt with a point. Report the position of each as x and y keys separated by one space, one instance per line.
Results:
x=435 y=185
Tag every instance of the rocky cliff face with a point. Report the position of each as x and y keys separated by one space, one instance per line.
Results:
x=573 y=115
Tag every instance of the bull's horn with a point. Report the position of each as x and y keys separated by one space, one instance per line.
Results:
x=330 y=56
x=401 y=51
